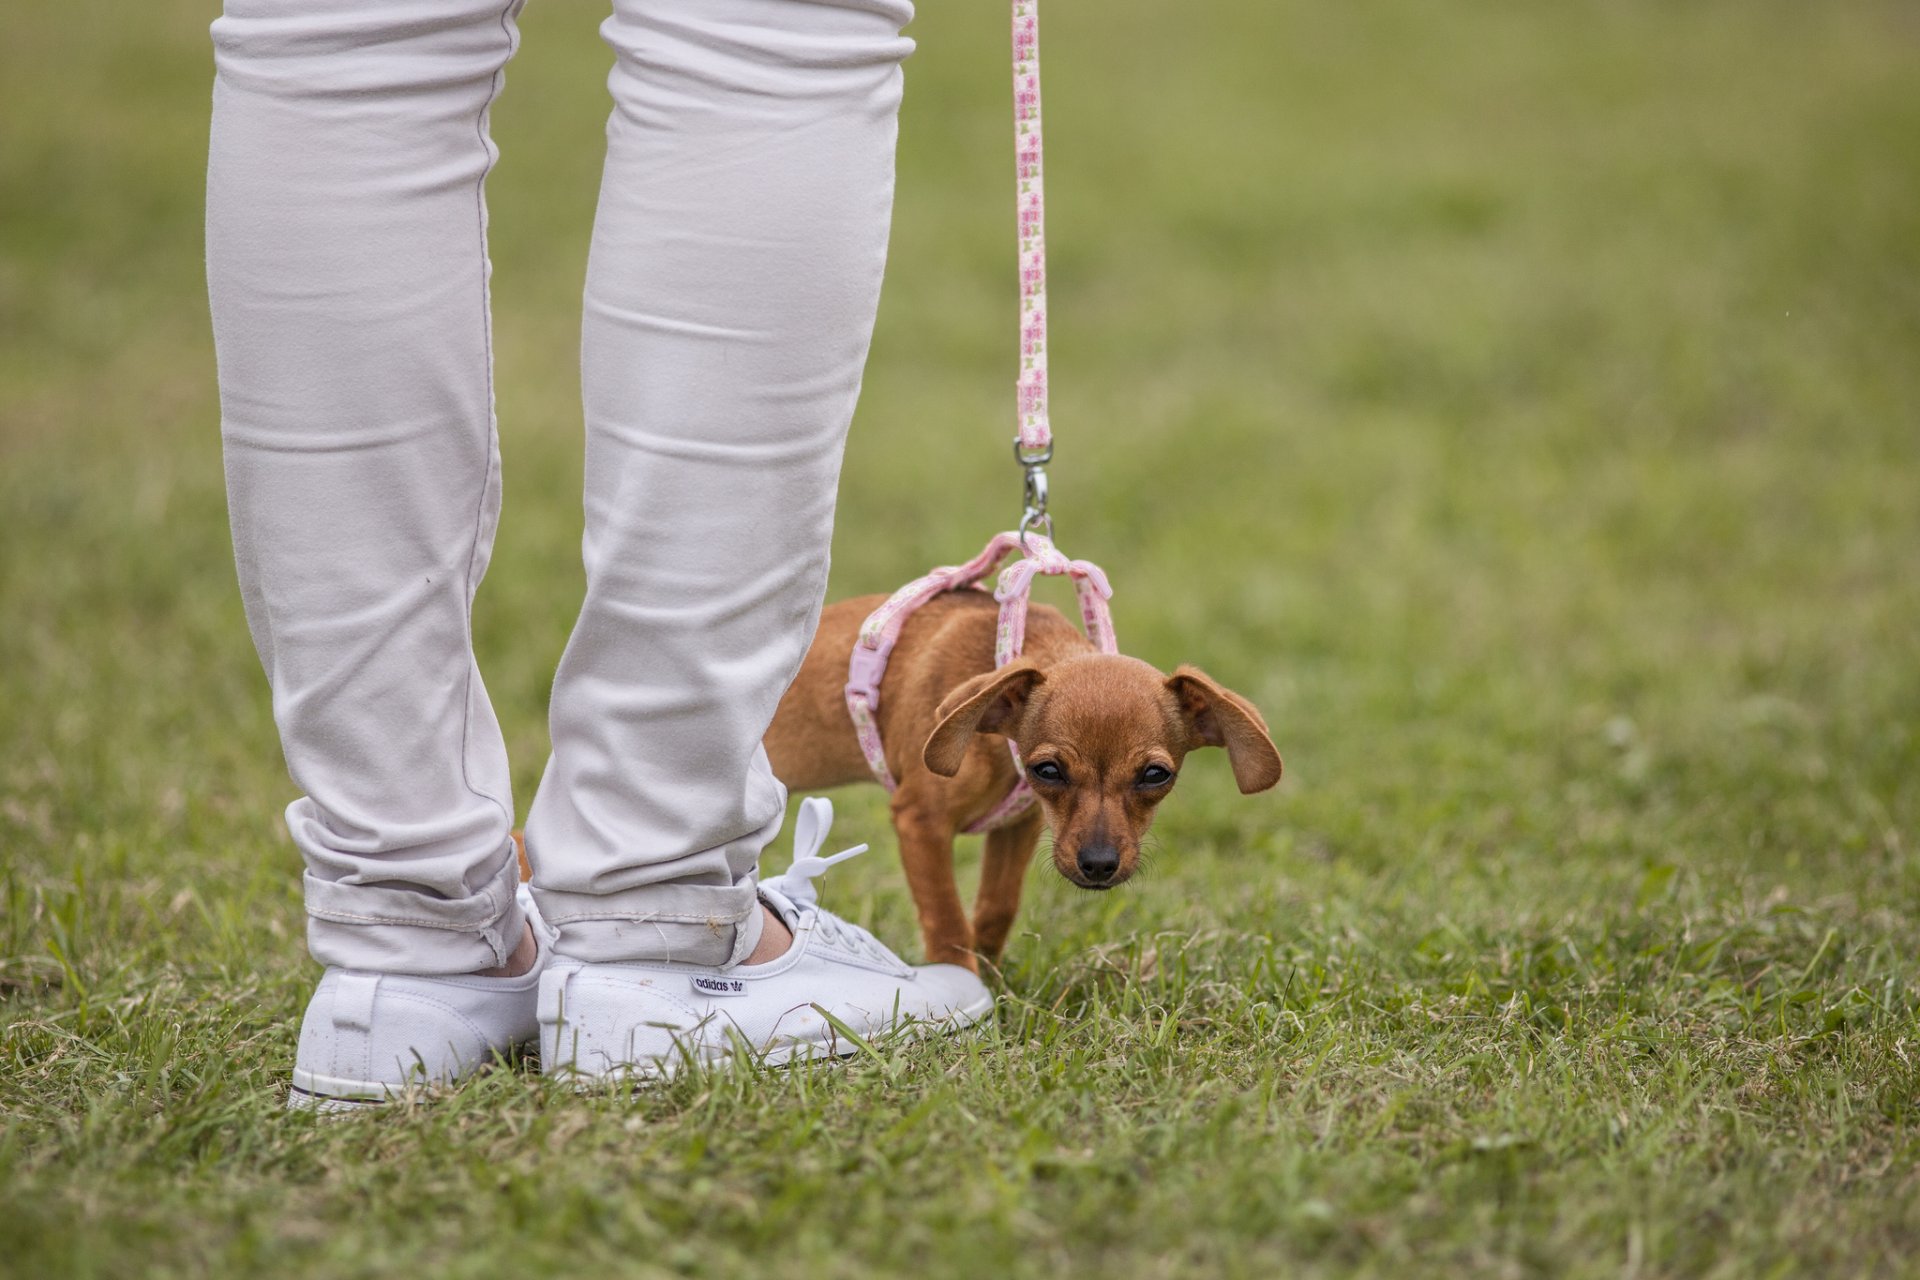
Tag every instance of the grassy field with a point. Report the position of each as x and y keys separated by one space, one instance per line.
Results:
x=1521 y=403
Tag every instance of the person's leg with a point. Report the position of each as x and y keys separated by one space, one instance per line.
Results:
x=347 y=268
x=735 y=272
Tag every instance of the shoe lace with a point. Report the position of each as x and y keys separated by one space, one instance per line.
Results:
x=796 y=882
x=809 y=836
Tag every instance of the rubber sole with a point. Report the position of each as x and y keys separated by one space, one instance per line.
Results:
x=299 y=1099
x=834 y=1047
x=334 y=1095
x=311 y=1091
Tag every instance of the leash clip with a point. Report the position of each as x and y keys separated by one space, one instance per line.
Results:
x=1035 y=515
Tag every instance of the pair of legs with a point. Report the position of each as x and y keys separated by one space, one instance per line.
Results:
x=731 y=288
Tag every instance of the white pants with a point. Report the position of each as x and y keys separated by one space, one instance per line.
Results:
x=730 y=296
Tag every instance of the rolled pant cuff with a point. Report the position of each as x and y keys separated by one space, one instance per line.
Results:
x=711 y=925
x=392 y=929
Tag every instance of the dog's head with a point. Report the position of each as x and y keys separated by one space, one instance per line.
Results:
x=1102 y=738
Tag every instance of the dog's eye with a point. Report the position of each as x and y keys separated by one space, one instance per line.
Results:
x=1155 y=775
x=1048 y=771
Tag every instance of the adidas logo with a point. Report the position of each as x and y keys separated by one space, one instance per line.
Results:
x=710 y=986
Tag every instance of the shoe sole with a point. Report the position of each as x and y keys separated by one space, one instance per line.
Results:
x=299 y=1099
x=335 y=1095
x=311 y=1091
x=834 y=1048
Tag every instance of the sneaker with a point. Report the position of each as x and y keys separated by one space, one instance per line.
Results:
x=648 y=1021
x=370 y=1037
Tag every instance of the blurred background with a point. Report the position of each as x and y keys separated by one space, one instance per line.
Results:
x=1520 y=403
x=1456 y=382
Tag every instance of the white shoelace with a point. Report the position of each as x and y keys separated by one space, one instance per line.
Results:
x=809 y=835
x=796 y=882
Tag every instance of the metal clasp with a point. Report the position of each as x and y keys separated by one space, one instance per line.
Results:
x=1035 y=514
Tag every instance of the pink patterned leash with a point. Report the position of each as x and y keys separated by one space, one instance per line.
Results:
x=881 y=631
x=1035 y=432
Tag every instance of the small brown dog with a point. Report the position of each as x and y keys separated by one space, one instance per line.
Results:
x=1101 y=736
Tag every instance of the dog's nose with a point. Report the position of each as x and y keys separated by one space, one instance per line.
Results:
x=1098 y=862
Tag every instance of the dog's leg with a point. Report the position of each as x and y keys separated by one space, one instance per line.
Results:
x=1003 y=873
x=926 y=851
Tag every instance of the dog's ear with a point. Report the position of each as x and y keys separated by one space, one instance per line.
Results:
x=1219 y=717
x=989 y=703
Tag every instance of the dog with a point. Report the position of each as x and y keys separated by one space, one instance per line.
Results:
x=1101 y=736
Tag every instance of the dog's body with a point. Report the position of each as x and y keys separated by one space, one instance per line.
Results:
x=1101 y=736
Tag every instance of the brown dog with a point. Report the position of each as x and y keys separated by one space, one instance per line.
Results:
x=1102 y=738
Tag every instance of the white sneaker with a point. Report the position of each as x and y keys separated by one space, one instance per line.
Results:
x=650 y=1020
x=369 y=1037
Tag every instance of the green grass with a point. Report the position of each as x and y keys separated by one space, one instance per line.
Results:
x=1520 y=403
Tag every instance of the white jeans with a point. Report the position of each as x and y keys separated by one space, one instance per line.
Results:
x=730 y=296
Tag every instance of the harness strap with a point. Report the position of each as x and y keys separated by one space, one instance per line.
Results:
x=881 y=631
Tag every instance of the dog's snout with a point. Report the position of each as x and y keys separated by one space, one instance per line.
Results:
x=1098 y=862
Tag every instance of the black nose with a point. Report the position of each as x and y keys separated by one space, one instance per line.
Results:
x=1098 y=862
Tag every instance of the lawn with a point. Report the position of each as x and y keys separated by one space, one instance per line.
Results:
x=1521 y=403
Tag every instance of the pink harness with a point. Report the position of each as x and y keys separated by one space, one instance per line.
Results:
x=881 y=631
x=1032 y=447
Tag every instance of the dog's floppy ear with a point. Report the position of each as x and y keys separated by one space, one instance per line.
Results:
x=989 y=703
x=1218 y=717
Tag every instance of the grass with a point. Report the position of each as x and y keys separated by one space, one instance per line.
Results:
x=1518 y=402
